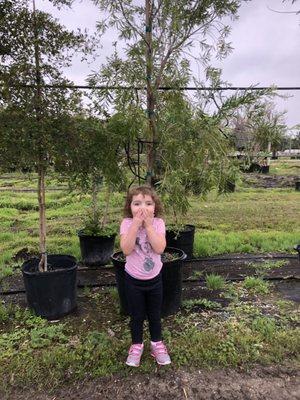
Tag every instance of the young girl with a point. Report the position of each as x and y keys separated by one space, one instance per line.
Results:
x=143 y=241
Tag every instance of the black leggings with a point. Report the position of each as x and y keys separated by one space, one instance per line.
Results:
x=144 y=300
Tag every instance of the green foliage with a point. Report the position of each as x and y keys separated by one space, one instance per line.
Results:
x=36 y=352
x=217 y=242
x=31 y=123
x=265 y=326
x=256 y=285
x=196 y=275
x=214 y=281
x=94 y=229
x=205 y=303
x=262 y=269
x=189 y=154
x=257 y=126
x=47 y=336
x=36 y=124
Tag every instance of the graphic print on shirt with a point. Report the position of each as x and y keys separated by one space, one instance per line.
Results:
x=146 y=250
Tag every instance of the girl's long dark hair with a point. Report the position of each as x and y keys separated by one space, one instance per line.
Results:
x=144 y=190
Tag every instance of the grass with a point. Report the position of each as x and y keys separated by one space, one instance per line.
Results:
x=214 y=281
x=217 y=242
x=85 y=346
x=285 y=166
x=261 y=269
x=94 y=343
x=205 y=303
x=247 y=209
x=256 y=285
x=242 y=222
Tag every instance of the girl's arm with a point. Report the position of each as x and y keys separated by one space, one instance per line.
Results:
x=127 y=241
x=157 y=240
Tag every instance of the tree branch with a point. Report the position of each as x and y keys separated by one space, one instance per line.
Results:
x=132 y=26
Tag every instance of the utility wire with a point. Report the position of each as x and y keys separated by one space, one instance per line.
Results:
x=218 y=88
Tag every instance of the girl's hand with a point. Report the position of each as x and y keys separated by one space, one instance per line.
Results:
x=148 y=218
x=138 y=218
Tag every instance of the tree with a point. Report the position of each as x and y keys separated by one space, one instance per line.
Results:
x=36 y=123
x=259 y=127
x=159 y=34
x=95 y=160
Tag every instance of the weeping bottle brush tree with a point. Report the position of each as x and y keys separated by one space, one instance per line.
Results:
x=158 y=35
x=36 y=124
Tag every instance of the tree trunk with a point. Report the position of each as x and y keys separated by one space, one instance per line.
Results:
x=268 y=150
x=151 y=101
x=41 y=165
x=107 y=201
x=42 y=217
x=95 y=191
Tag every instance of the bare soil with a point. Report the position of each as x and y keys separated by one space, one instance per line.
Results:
x=269 y=181
x=233 y=267
x=259 y=383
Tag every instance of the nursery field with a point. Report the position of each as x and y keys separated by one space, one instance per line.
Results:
x=233 y=338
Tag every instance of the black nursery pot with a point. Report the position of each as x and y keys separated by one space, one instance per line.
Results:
x=51 y=294
x=171 y=278
x=265 y=169
x=184 y=240
x=297 y=248
x=297 y=186
x=172 y=282
x=96 y=250
x=230 y=187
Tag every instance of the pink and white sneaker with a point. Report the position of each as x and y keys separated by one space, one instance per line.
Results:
x=160 y=353
x=134 y=355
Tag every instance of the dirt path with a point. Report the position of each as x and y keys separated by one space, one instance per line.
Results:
x=260 y=383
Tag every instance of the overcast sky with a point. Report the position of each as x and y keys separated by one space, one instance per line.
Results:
x=266 y=47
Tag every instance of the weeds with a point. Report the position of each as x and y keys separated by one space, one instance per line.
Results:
x=195 y=275
x=37 y=352
x=256 y=285
x=205 y=303
x=214 y=281
x=261 y=269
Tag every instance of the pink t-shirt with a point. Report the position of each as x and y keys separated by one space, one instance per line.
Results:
x=143 y=263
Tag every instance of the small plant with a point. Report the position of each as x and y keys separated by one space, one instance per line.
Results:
x=233 y=291
x=47 y=335
x=265 y=326
x=284 y=305
x=93 y=227
x=96 y=220
x=214 y=281
x=169 y=256
x=189 y=304
x=4 y=313
x=261 y=269
x=256 y=285
x=113 y=292
x=196 y=275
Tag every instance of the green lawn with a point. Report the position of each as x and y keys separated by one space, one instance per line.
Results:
x=285 y=166
x=249 y=220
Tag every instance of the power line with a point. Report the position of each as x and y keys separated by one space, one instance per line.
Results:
x=218 y=88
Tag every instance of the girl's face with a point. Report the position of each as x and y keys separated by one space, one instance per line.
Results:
x=142 y=202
